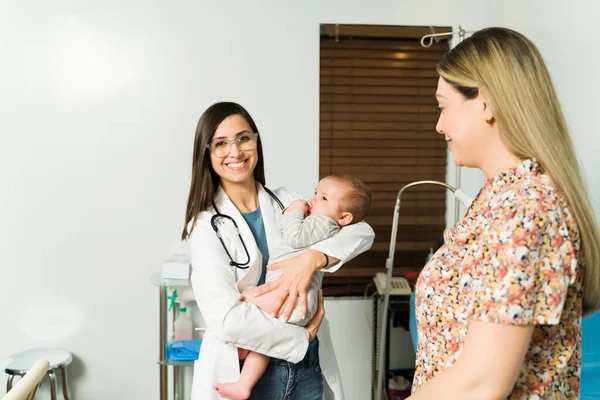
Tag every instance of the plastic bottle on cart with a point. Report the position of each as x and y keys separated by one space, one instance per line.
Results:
x=183 y=327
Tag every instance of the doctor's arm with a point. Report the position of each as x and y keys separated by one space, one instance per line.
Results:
x=487 y=368
x=327 y=255
x=232 y=321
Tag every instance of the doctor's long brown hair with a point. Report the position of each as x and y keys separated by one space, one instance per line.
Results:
x=204 y=179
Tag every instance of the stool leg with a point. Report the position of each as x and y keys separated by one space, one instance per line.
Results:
x=9 y=383
x=175 y=382
x=65 y=386
x=52 y=375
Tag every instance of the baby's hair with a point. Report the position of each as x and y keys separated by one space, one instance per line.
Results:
x=358 y=201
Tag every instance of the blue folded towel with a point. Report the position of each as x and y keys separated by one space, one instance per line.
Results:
x=183 y=350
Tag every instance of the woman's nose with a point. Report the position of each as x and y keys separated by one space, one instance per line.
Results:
x=438 y=126
x=234 y=150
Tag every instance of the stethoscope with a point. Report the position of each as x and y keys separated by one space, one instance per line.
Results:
x=219 y=219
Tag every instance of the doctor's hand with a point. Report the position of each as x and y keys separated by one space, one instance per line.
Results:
x=313 y=325
x=295 y=279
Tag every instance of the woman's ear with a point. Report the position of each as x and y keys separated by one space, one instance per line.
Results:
x=345 y=219
x=485 y=106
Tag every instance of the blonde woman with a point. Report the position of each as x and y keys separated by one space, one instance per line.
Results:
x=499 y=306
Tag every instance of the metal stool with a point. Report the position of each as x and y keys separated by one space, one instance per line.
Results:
x=59 y=360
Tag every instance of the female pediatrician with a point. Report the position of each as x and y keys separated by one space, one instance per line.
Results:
x=499 y=306
x=228 y=185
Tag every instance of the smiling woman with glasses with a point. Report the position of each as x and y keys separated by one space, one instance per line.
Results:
x=232 y=224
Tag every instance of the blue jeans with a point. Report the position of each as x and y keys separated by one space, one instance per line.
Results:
x=286 y=381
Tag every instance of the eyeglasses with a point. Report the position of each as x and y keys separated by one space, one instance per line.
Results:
x=221 y=148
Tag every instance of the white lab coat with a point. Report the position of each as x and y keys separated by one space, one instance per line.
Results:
x=232 y=323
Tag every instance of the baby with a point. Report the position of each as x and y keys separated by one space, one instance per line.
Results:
x=339 y=200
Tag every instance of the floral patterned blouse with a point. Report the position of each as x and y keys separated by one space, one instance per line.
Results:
x=511 y=260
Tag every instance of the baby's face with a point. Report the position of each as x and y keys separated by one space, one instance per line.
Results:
x=327 y=199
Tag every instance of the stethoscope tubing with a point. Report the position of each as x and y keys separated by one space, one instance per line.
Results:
x=213 y=223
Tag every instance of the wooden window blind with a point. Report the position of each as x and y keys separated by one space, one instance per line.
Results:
x=377 y=123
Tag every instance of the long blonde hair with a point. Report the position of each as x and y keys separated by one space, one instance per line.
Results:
x=510 y=70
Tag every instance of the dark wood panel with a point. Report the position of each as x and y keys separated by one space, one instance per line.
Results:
x=381 y=54
x=375 y=63
x=382 y=144
x=379 y=72
x=409 y=219
x=421 y=192
x=365 y=169
x=405 y=178
x=384 y=152
x=418 y=193
x=387 y=204
x=370 y=98
x=378 y=116
x=389 y=134
x=390 y=161
x=404 y=236
x=411 y=194
x=379 y=90
x=361 y=125
x=397 y=45
x=378 y=81
x=372 y=258
x=379 y=108
x=386 y=32
x=418 y=207
x=430 y=119
x=404 y=240
x=381 y=217
x=405 y=246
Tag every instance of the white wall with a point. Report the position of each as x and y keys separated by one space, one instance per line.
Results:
x=350 y=320
x=565 y=33
x=98 y=106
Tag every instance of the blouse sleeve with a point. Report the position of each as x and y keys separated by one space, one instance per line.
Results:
x=521 y=267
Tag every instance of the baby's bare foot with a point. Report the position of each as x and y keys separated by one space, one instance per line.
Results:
x=233 y=391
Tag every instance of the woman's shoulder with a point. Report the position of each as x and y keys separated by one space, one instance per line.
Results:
x=202 y=220
x=542 y=190
x=534 y=199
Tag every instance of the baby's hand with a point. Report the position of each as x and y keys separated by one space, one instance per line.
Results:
x=298 y=205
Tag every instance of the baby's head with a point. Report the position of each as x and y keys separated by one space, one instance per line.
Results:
x=342 y=197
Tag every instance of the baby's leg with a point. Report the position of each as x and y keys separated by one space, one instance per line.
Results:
x=254 y=366
x=243 y=353
x=266 y=302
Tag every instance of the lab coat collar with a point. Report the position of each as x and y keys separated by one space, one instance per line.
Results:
x=271 y=214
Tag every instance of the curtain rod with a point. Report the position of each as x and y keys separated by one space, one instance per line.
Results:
x=461 y=35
